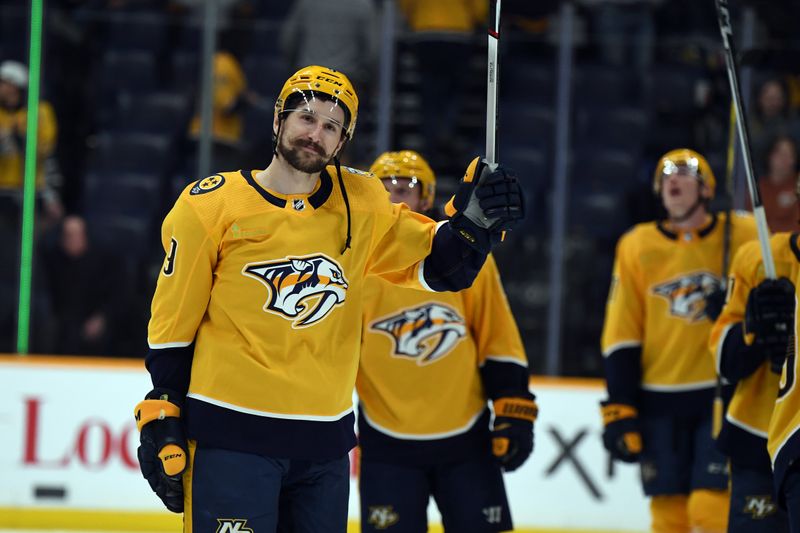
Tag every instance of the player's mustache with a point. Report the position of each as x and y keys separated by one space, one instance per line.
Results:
x=310 y=144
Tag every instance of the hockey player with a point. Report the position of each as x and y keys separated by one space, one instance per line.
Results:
x=255 y=328
x=429 y=364
x=655 y=339
x=750 y=340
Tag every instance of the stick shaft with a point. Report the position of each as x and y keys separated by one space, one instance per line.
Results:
x=724 y=19
x=493 y=73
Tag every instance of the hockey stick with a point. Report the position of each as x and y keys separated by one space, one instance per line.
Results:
x=724 y=19
x=493 y=74
x=719 y=403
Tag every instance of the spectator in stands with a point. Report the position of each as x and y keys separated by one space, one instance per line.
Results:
x=771 y=117
x=229 y=91
x=86 y=290
x=13 y=128
x=342 y=35
x=443 y=42
x=777 y=186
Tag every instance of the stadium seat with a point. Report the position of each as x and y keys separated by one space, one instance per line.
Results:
x=528 y=84
x=623 y=128
x=132 y=195
x=599 y=86
x=136 y=32
x=126 y=236
x=127 y=71
x=265 y=73
x=522 y=125
x=157 y=113
x=671 y=89
x=185 y=75
x=132 y=152
x=594 y=170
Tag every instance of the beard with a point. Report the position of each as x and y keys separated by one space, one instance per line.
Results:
x=302 y=160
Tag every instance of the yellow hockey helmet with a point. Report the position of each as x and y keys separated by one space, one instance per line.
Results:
x=673 y=160
x=315 y=79
x=407 y=164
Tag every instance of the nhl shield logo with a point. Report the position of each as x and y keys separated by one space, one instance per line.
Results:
x=302 y=289
x=425 y=333
x=686 y=294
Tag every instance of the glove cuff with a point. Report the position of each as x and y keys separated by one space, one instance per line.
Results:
x=614 y=412
x=520 y=408
x=148 y=410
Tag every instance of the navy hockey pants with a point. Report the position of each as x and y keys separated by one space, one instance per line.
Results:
x=753 y=508
x=240 y=492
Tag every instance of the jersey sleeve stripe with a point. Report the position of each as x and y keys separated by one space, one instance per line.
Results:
x=165 y=345
x=746 y=427
x=505 y=359
x=698 y=385
x=427 y=436
x=621 y=346
x=245 y=410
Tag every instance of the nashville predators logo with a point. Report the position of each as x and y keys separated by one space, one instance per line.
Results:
x=759 y=507
x=382 y=516
x=686 y=295
x=425 y=333
x=301 y=289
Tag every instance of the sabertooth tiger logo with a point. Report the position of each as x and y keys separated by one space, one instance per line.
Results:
x=686 y=295
x=425 y=333
x=382 y=516
x=301 y=289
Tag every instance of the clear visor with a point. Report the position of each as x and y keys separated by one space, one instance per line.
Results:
x=685 y=167
x=395 y=180
x=312 y=117
x=309 y=96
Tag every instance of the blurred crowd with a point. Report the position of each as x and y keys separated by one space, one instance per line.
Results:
x=119 y=127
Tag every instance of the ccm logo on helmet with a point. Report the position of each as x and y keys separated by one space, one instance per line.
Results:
x=330 y=80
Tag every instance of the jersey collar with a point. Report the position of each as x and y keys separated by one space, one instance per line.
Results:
x=315 y=199
x=704 y=231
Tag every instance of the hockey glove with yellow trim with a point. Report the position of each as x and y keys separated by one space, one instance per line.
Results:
x=621 y=435
x=512 y=434
x=488 y=202
x=770 y=316
x=162 y=451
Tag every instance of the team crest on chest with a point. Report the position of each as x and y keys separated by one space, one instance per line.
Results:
x=303 y=289
x=686 y=294
x=425 y=333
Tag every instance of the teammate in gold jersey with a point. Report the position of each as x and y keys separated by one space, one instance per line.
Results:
x=655 y=343
x=429 y=364
x=255 y=329
x=783 y=435
x=749 y=341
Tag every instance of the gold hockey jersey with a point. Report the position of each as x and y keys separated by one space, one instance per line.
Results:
x=656 y=302
x=257 y=282
x=783 y=441
x=419 y=374
x=750 y=408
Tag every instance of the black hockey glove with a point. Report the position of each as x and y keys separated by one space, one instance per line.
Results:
x=488 y=202
x=162 y=451
x=715 y=301
x=512 y=434
x=770 y=316
x=621 y=435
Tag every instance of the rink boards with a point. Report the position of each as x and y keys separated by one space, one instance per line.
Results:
x=68 y=455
